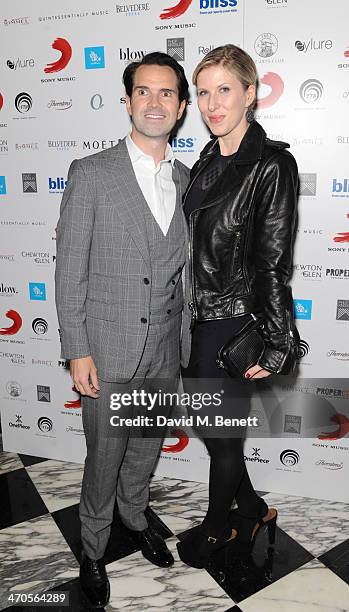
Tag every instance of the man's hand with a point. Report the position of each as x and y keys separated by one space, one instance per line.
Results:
x=256 y=372
x=84 y=376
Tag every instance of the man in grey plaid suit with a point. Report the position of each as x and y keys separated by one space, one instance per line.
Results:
x=121 y=249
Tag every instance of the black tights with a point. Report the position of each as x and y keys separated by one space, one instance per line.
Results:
x=229 y=478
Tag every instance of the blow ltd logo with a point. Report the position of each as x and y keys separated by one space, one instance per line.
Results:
x=176 y=11
x=276 y=84
x=45 y=424
x=23 y=102
x=311 y=91
x=16 y=319
x=64 y=48
x=177 y=447
x=39 y=326
x=289 y=457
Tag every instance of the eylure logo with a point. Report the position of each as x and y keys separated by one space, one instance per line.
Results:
x=56 y=185
x=3 y=185
x=307 y=183
x=7 y=290
x=63 y=47
x=313 y=45
x=23 y=102
x=16 y=325
x=340 y=188
x=266 y=45
x=96 y=102
x=94 y=58
x=303 y=309
x=311 y=91
x=176 y=11
x=20 y=63
x=211 y=7
x=37 y=291
x=182 y=144
x=276 y=85
x=39 y=326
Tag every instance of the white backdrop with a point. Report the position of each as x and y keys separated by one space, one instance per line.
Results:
x=61 y=97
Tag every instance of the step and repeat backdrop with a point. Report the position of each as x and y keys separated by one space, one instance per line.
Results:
x=61 y=98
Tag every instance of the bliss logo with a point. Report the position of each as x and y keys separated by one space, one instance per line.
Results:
x=182 y=145
x=303 y=309
x=94 y=58
x=56 y=185
x=276 y=85
x=3 y=185
x=208 y=7
x=37 y=291
x=341 y=188
x=64 y=48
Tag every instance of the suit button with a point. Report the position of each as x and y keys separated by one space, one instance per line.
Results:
x=143 y=320
x=169 y=312
x=173 y=282
x=179 y=270
x=172 y=297
x=146 y=281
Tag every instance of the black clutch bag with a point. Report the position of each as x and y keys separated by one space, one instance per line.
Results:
x=243 y=350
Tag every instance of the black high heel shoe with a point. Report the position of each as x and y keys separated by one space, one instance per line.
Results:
x=197 y=547
x=249 y=526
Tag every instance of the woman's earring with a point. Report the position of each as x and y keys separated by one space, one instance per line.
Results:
x=249 y=115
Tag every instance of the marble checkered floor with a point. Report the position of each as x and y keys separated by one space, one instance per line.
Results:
x=39 y=549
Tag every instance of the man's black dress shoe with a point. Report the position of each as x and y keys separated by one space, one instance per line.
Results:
x=94 y=581
x=154 y=549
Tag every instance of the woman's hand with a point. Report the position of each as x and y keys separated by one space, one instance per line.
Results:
x=256 y=372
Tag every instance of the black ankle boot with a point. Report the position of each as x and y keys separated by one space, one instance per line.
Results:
x=197 y=547
x=94 y=581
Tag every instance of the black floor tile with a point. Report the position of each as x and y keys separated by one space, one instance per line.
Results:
x=234 y=609
x=122 y=541
x=337 y=560
x=20 y=500
x=31 y=460
x=242 y=577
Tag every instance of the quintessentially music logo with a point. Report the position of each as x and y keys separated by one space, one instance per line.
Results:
x=176 y=11
x=23 y=102
x=266 y=45
x=311 y=91
x=276 y=85
x=65 y=50
x=16 y=325
x=289 y=457
x=177 y=447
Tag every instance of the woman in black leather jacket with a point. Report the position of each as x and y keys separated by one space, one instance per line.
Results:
x=241 y=208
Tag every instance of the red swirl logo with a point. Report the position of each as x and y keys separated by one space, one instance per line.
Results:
x=176 y=11
x=183 y=441
x=275 y=82
x=61 y=45
x=16 y=325
x=343 y=428
x=1 y=101
x=342 y=236
x=73 y=403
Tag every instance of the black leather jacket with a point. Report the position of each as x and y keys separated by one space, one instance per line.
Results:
x=241 y=242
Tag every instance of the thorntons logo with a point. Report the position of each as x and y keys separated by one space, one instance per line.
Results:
x=337 y=355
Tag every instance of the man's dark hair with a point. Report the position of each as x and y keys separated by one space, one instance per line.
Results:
x=157 y=59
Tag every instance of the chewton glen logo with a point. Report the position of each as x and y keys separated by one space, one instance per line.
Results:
x=64 y=48
x=16 y=325
x=276 y=85
x=176 y=11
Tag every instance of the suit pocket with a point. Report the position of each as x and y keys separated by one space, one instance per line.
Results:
x=97 y=309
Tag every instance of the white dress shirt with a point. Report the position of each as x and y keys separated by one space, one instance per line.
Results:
x=155 y=182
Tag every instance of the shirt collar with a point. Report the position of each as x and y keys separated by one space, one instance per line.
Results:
x=136 y=153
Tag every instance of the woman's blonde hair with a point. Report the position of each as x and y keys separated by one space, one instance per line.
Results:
x=234 y=59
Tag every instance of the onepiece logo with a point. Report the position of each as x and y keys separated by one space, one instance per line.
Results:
x=16 y=325
x=61 y=45
x=343 y=428
x=275 y=82
x=183 y=441
x=176 y=11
